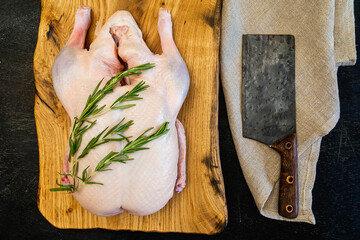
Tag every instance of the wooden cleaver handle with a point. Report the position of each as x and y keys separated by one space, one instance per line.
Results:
x=288 y=193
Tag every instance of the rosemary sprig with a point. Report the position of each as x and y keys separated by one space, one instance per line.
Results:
x=122 y=157
x=92 y=109
x=131 y=95
x=130 y=147
x=82 y=124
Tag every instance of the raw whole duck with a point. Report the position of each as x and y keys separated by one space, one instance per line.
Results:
x=144 y=185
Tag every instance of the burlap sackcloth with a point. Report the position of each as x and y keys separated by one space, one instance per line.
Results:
x=324 y=39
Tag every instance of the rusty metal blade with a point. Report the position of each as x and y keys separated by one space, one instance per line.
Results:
x=268 y=87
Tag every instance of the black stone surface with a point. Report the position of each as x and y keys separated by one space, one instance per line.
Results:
x=336 y=195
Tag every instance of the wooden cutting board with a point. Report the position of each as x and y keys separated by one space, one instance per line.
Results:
x=201 y=207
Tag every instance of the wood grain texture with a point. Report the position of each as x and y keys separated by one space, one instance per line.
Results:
x=288 y=191
x=201 y=207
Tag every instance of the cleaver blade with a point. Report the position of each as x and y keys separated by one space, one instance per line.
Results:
x=269 y=108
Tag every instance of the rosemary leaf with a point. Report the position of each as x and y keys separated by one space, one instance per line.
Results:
x=124 y=106
x=64 y=174
x=60 y=185
x=84 y=174
x=60 y=189
x=93 y=183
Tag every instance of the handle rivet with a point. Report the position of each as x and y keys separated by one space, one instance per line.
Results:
x=290 y=179
x=288 y=145
x=289 y=208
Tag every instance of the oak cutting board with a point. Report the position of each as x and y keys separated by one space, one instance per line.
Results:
x=201 y=207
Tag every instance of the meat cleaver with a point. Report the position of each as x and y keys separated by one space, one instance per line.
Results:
x=268 y=106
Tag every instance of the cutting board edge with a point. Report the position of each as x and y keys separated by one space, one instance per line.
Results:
x=214 y=125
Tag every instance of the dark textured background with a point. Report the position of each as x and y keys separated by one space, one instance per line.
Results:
x=336 y=193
